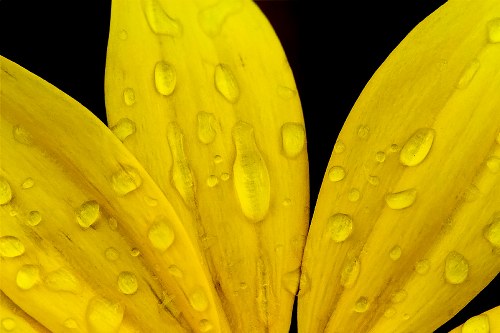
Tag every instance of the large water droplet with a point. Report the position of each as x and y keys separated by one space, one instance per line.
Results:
x=11 y=247
x=339 y=227
x=422 y=266
x=62 y=280
x=211 y=19
x=361 y=305
x=493 y=164
x=492 y=232
x=104 y=315
x=206 y=127
x=21 y=135
x=251 y=177
x=159 y=21
x=336 y=173
x=477 y=324
x=416 y=149
x=28 y=183
x=165 y=78
x=293 y=138
x=9 y=324
x=468 y=74
x=125 y=180
x=456 y=268
x=350 y=272
x=395 y=253
x=111 y=254
x=198 y=300
x=399 y=296
x=494 y=30
x=88 y=213
x=161 y=235
x=226 y=84
x=34 y=218
x=129 y=96
x=123 y=129
x=5 y=191
x=127 y=283
x=400 y=200
x=206 y=326
x=27 y=276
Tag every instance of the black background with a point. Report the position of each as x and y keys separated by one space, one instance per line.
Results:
x=333 y=51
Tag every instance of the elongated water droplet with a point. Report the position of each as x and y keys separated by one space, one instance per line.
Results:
x=395 y=253
x=293 y=138
x=399 y=296
x=492 y=232
x=129 y=96
x=21 y=135
x=28 y=183
x=362 y=305
x=34 y=218
x=468 y=74
x=126 y=180
x=422 y=266
x=161 y=235
x=477 y=324
x=226 y=84
x=112 y=254
x=9 y=324
x=104 y=315
x=350 y=272
x=456 y=268
x=206 y=326
x=62 y=280
x=165 y=78
x=27 y=276
x=211 y=19
x=336 y=173
x=339 y=147
x=123 y=129
x=416 y=149
x=127 y=283
x=400 y=200
x=5 y=191
x=159 y=21
x=494 y=30
x=198 y=300
x=175 y=271
x=339 y=227
x=10 y=247
x=493 y=164
x=88 y=213
x=354 y=195
x=206 y=127
x=251 y=177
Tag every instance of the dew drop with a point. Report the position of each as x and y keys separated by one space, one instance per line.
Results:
x=226 y=84
x=126 y=180
x=123 y=129
x=339 y=227
x=28 y=183
x=285 y=92
x=406 y=316
x=112 y=223
x=211 y=19
x=395 y=253
x=494 y=30
x=339 y=147
x=10 y=247
x=477 y=324
x=336 y=173
x=390 y=312
x=88 y=213
x=127 y=283
x=363 y=132
x=198 y=300
x=290 y=281
x=401 y=200
x=5 y=191
x=287 y=202
x=374 y=180
x=21 y=135
x=217 y=159
x=9 y=324
x=422 y=266
x=456 y=268
x=175 y=271
x=206 y=326
x=165 y=78
x=350 y=272
x=251 y=177
x=62 y=280
x=380 y=156
x=493 y=164
x=104 y=315
x=399 y=296
x=27 y=276
x=134 y=252
x=123 y=35
x=111 y=254
x=243 y=285
x=468 y=74
x=161 y=235
x=416 y=149
x=70 y=323
x=206 y=127
x=293 y=138
x=394 y=148
x=492 y=232
x=159 y=21
x=212 y=181
x=129 y=96
x=354 y=195
x=361 y=305
x=224 y=176
x=34 y=218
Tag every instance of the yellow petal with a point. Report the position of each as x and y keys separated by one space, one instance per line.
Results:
x=14 y=319
x=487 y=322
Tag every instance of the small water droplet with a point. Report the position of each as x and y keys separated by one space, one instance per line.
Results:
x=406 y=316
x=363 y=132
x=9 y=324
x=394 y=148
x=374 y=180
x=422 y=266
x=456 y=268
x=380 y=156
x=339 y=147
x=125 y=180
x=127 y=283
x=11 y=247
x=494 y=30
x=62 y=280
x=129 y=96
x=104 y=315
x=161 y=235
x=212 y=181
x=112 y=223
x=198 y=300
x=27 y=276
x=339 y=227
x=287 y=202
x=159 y=21
x=135 y=252
x=285 y=92
x=70 y=323
x=293 y=137
x=224 y=176
x=22 y=136
x=336 y=173
x=5 y=191
x=34 y=218
x=111 y=254
x=493 y=164
x=354 y=195
x=226 y=84
x=123 y=35
x=399 y=296
x=123 y=129
x=175 y=271
x=217 y=159
x=401 y=200
x=492 y=231
x=390 y=312
x=165 y=78
x=416 y=149
x=468 y=74
x=28 y=183
x=206 y=326
x=362 y=305
x=88 y=213
x=477 y=324
x=350 y=272
x=211 y=19
x=395 y=253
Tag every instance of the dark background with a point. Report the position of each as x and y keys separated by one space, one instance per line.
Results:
x=332 y=50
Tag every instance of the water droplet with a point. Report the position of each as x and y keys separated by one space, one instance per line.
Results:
x=27 y=276
x=34 y=218
x=21 y=135
x=350 y=272
x=224 y=176
x=406 y=316
x=8 y=324
x=422 y=266
x=5 y=191
x=374 y=180
x=212 y=181
x=70 y=323
x=394 y=148
x=477 y=324
x=10 y=247
x=211 y=19
x=395 y=253
x=390 y=312
x=304 y=284
x=416 y=149
x=123 y=35
x=285 y=92
x=175 y=271
x=492 y=232
x=290 y=281
x=362 y=305
x=206 y=326
x=206 y=127
x=127 y=283
x=217 y=159
x=293 y=138
x=399 y=296
x=287 y=202
x=339 y=147
x=198 y=300
x=161 y=234
x=363 y=132
x=159 y=21
x=104 y=315
x=251 y=177
x=129 y=96
x=62 y=280
x=401 y=200
x=336 y=173
x=112 y=254
x=28 y=183
x=494 y=30
x=125 y=180
x=380 y=156
x=456 y=268
x=493 y=164
x=135 y=252
x=226 y=84
x=339 y=227
x=88 y=213
x=165 y=78
x=123 y=129
x=468 y=74
x=354 y=195
x=112 y=223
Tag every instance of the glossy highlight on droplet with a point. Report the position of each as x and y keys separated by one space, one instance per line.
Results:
x=339 y=227
x=401 y=200
x=226 y=84
x=293 y=137
x=165 y=78
x=416 y=149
